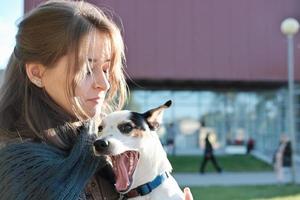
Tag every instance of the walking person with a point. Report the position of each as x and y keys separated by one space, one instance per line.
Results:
x=250 y=145
x=209 y=156
x=283 y=158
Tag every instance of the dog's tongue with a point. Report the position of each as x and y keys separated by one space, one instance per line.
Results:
x=122 y=168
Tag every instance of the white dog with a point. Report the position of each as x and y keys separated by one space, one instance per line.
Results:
x=139 y=161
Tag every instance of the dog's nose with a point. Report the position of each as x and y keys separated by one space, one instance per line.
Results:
x=101 y=145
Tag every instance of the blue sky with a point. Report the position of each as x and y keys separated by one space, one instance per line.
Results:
x=10 y=12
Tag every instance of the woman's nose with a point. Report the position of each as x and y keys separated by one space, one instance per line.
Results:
x=101 y=81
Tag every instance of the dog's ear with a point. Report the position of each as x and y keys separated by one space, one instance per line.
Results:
x=155 y=115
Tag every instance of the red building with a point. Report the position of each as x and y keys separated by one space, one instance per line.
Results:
x=205 y=41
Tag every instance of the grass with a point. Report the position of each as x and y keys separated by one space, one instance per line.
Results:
x=268 y=192
x=235 y=163
x=229 y=163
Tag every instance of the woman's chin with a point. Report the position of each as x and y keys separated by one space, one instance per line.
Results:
x=94 y=112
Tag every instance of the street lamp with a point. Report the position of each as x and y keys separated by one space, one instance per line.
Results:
x=289 y=27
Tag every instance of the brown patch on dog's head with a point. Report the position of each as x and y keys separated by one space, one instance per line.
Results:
x=138 y=122
x=132 y=123
x=135 y=126
x=137 y=133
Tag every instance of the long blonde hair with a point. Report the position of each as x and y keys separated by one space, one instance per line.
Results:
x=45 y=34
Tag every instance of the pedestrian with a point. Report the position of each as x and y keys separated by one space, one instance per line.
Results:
x=250 y=145
x=283 y=158
x=66 y=71
x=209 y=156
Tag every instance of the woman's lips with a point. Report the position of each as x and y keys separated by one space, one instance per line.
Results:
x=95 y=100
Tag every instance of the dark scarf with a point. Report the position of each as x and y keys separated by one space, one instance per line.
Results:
x=38 y=171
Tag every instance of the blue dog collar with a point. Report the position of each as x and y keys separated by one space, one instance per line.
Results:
x=148 y=187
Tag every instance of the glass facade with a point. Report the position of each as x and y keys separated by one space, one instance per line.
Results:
x=231 y=116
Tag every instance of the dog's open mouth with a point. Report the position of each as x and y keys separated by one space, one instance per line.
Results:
x=124 y=165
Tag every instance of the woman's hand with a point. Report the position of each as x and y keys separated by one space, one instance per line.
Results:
x=187 y=194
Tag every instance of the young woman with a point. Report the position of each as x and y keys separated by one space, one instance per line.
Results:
x=65 y=71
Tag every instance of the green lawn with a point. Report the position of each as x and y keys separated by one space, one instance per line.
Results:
x=229 y=163
x=276 y=192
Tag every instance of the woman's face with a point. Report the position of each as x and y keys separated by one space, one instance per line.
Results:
x=93 y=86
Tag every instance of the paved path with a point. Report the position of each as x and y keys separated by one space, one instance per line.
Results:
x=229 y=178
x=236 y=178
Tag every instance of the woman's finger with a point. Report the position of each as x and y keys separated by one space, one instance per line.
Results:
x=187 y=194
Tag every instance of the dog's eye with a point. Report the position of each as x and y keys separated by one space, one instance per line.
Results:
x=100 y=128
x=125 y=128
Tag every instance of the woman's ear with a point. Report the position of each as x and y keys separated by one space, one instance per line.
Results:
x=35 y=73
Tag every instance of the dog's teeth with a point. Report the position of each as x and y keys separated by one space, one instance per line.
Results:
x=108 y=158
x=130 y=165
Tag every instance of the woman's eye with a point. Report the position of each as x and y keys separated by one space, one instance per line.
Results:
x=106 y=69
x=89 y=70
x=125 y=128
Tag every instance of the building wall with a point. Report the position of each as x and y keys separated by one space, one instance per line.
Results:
x=208 y=40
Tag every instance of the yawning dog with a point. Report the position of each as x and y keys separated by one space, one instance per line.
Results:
x=139 y=161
